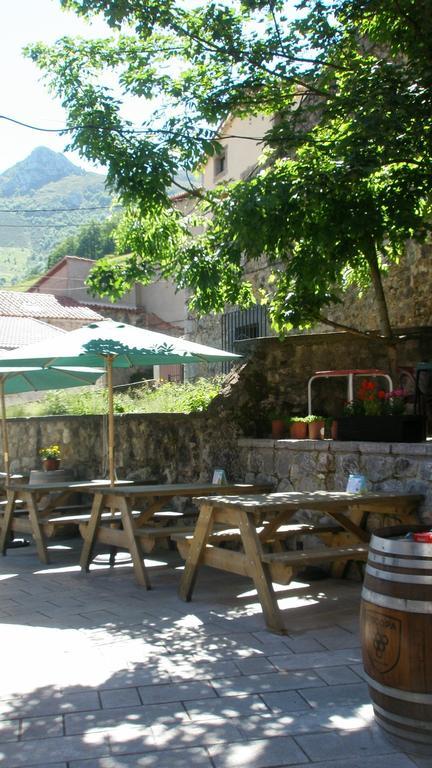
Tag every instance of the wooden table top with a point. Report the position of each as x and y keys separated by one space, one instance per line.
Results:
x=307 y=499
x=128 y=488
x=175 y=489
x=65 y=485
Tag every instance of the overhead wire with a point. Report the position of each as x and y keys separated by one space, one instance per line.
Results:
x=204 y=135
x=60 y=210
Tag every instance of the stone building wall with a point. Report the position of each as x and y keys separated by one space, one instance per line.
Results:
x=407 y=288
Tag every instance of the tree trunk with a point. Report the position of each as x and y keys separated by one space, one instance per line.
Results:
x=383 y=314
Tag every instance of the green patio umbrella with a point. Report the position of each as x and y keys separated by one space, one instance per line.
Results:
x=113 y=345
x=15 y=381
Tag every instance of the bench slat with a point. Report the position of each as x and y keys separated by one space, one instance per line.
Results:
x=316 y=555
x=284 y=532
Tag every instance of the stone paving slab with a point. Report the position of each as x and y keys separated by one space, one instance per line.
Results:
x=226 y=707
x=333 y=695
x=259 y=753
x=276 y=681
x=383 y=761
x=179 y=758
x=87 y=722
x=104 y=674
x=318 y=746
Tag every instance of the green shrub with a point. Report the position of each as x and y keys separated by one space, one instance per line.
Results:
x=169 y=397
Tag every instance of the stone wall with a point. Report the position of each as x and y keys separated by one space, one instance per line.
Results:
x=163 y=447
x=181 y=448
x=276 y=374
x=310 y=465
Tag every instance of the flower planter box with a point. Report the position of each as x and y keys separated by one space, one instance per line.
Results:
x=382 y=429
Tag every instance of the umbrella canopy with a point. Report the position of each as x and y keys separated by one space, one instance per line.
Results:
x=17 y=380
x=114 y=345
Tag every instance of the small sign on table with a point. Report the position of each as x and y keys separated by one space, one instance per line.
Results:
x=219 y=477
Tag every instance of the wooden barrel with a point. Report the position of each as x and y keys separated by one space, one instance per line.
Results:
x=396 y=631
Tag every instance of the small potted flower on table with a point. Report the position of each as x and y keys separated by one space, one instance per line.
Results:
x=50 y=457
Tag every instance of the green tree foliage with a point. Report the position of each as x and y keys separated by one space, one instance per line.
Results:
x=92 y=241
x=347 y=172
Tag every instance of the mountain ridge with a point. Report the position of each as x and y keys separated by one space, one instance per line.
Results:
x=31 y=224
x=39 y=168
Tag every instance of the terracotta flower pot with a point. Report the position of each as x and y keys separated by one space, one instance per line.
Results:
x=50 y=465
x=278 y=429
x=314 y=430
x=298 y=430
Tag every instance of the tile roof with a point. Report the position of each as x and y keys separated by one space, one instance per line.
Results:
x=43 y=306
x=17 y=331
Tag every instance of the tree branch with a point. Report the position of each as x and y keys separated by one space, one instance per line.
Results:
x=347 y=328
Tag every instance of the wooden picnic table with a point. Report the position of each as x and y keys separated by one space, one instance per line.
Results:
x=261 y=523
x=124 y=516
x=40 y=508
x=132 y=509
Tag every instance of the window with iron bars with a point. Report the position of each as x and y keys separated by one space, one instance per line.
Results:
x=242 y=324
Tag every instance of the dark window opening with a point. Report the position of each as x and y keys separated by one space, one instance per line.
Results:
x=220 y=164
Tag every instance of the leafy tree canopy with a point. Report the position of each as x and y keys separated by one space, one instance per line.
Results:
x=347 y=173
x=92 y=241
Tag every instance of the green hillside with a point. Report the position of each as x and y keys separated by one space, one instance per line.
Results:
x=44 y=180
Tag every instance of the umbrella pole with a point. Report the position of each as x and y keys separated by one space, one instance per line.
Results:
x=4 y=431
x=108 y=368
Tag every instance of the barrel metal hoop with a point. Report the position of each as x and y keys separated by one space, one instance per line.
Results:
x=411 y=740
x=397 y=693
x=398 y=577
x=403 y=548
x=397 y=603
x=395 y=562
x=404 y=720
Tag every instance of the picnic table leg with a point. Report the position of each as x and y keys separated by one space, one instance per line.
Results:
x=7 y=521
x=36 y=528
x=90 y=533
x=357 y=518
x=197 y=549
x=260 y=573
x=140 y=570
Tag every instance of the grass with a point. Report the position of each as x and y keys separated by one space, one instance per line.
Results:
x=168 y=397
x=14 y=263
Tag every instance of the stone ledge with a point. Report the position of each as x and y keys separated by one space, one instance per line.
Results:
x=416 y=449
x=368 y=448
x=338 y=446
x=256 y=442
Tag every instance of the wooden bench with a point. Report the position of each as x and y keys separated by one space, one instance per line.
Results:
x=51 y=524
x=281 y=563
x=227 y=535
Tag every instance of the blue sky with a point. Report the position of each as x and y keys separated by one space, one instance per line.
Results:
x=22 y=94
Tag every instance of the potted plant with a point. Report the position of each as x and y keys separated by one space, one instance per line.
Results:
x=379 y=416
x=298 y=427
x=277 y=425
x=330 y=428
x=50 y=457
x=315 y=425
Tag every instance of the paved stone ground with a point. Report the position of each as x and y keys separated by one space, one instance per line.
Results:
x=98 y=673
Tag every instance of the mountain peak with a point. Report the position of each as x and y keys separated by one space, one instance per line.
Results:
x=41 y=167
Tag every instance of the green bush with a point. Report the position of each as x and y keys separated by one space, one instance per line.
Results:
x=169 y=397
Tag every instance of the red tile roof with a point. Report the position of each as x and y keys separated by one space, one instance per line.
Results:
x=44 y=305
x=18 y=331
